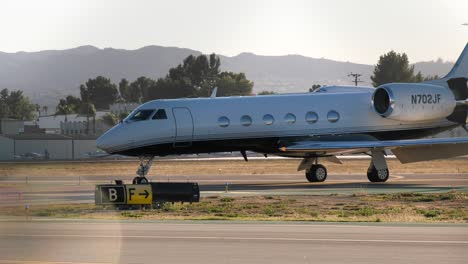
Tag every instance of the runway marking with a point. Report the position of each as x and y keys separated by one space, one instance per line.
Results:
x=247 y=238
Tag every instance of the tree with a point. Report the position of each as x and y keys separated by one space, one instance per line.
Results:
x=99 y=91
x=15 y=105
x=110 y=119
x=73 y=102
x=197 y=76
x=139 y=89
x=230 y=83
x=431 y=77
x=4 y=109
x=420 y=78
x=167 y=88
x=266 y=93
x=314 y=87
x=87 y=109
x=392 y=67
x=123 y=115
x=69 y=105
x=63 y=108
x=196 y=70
x=128 y=92
x=37 y=108
x=45 y=108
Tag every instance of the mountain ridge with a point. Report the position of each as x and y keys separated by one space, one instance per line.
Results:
x=48 y=75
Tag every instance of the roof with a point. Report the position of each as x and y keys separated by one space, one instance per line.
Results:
x=10 y=120
x=50 y=137
x=53 y=121
x=38 y=136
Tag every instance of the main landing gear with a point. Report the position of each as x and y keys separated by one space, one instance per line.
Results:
x=375 y=175
x=377 y=172
x=143 y=171
x=378 y=169
x=316 y=173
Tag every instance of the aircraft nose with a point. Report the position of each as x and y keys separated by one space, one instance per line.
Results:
x=103 y=142
x=107 y=140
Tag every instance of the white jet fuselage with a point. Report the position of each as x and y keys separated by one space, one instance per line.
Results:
x=236 y=123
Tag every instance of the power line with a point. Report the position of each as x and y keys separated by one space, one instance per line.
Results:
x=356 y=78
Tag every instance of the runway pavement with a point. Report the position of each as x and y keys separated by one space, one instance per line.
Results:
x=44 y=190
x=155 y=242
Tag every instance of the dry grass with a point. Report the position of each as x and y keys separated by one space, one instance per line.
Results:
x=449 y=207
x=214 y=167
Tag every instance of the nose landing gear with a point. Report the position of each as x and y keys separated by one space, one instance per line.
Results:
x=143 y=171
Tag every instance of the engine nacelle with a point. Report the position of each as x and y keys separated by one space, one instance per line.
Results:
x=413 y=101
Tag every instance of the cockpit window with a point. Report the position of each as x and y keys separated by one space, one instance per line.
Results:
x=160 y=114
x=141 y=115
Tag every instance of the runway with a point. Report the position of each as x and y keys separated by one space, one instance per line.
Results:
x=44 y=190
x=155 y=242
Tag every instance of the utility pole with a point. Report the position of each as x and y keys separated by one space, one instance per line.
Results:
x=356 y=77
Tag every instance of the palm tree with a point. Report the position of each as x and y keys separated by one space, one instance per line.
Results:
x=45 y=108
x=63 y=109
x=38 y=109
x=87 y=109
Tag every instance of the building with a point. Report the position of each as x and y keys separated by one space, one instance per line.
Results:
x=46 y=146
x=55 y=124
x=81 y=128
x=11 y=126
x=122 y=108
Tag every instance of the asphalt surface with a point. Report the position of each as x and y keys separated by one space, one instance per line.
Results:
x=153 y=242
x=45 y=190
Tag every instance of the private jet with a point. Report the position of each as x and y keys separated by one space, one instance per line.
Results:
x=315 y=126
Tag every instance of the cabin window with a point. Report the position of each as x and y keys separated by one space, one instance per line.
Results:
x=160 y=114
x=311 y=117
x=141 y=115
x=268 y=119
x=333 y=116
x=223 y=121
x=246 y=120
x=290 y=118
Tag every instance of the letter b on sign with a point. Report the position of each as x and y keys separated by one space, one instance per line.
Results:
x=112 y=194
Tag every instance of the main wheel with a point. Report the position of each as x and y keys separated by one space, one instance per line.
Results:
x=140 y=180
x=375 y=175
x=316 y=173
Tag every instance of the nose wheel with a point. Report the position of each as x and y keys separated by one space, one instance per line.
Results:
x=143 y=170
x=316 y=173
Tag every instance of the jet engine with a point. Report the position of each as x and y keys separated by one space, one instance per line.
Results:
x=413 y=101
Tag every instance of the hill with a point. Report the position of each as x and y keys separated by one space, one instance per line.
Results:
x=48 y=75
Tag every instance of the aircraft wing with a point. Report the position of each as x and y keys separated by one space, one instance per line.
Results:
x=405 y=150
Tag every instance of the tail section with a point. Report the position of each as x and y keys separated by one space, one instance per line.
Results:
x=456 y=80
x=460 y=69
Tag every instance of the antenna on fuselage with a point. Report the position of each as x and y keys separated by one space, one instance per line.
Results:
x=213 y=93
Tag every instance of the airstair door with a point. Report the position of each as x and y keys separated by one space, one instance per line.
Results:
x=184 y=127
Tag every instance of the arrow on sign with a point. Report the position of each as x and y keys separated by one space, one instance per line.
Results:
x=146 y=194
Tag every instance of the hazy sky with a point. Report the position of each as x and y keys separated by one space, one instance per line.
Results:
x=348 y=30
